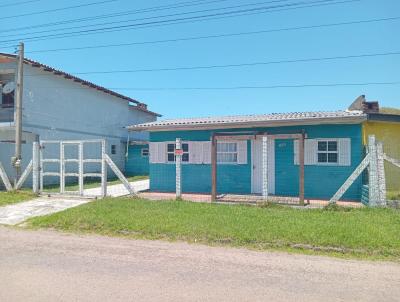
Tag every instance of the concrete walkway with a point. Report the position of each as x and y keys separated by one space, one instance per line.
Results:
x=19 y=212
x=119 y=190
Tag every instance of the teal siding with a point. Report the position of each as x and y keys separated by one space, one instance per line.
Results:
x=197 y=178
x=320 y=181
x=365 y=194
x=136 y=164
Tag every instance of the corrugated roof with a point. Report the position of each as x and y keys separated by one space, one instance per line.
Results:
x=255 y=120
x=140 y=106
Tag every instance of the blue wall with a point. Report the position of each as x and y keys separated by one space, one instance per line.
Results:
x=320 y=181
x=136 y=164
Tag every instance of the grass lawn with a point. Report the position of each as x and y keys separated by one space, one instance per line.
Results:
x=14 y=197
x=393 y=195
x=362 y=233
x=92 y=184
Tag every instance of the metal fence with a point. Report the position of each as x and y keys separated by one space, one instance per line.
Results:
x=74 y=167
x=392 y=169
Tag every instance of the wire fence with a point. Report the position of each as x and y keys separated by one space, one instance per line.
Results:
x=392 y=172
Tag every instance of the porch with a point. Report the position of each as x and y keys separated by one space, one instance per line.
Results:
x=250 y=199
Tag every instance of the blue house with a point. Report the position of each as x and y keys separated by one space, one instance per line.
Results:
x=332 y=150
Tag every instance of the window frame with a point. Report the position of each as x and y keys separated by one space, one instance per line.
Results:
x=113 y=149
x=327 y=152
x=145 y=149
x=173 y=153
x=228 y=152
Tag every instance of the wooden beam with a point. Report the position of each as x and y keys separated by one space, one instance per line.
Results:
x=301 y=169
x=234 y=137
x=213 y=168
x=284 y=136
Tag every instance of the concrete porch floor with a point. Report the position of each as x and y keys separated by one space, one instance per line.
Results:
x=246 y=199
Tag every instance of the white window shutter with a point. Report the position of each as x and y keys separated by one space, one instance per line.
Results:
x=310 y=151
x=158 y=152
x=344 y=148
x=206 y=152
x=195 y=152
x=296 y=151
x=242 y=152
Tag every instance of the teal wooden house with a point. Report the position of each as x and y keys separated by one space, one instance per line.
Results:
x=310 y=154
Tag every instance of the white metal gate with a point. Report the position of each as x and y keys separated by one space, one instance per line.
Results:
x=63 y=159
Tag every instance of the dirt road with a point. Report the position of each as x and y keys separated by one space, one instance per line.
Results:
x=50 y=266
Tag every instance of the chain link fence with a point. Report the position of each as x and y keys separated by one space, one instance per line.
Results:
x=392 y=172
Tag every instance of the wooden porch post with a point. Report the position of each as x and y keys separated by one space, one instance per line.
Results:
x=213 y=168
x=301 y=169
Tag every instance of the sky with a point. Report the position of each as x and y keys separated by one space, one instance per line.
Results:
x=166 y=91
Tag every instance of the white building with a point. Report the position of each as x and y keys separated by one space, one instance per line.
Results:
x=59 y=106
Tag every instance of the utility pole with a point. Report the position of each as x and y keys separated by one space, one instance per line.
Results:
x=18 y=112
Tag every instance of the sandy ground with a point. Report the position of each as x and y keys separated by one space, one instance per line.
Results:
x=51 y=266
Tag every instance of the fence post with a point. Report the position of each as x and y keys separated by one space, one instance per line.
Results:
x=381 y=174
x=62 y=168
x=103 y=169
x=35 y=168
x=301 y=168
x=80 y=168
x=178 y=161
x=41 y=178
x=373 y=172
x=265 y=167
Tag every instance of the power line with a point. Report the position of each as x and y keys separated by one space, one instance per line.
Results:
x=265 y=87
x=244 y=87
x=58 y=9
x=217 y=36
x=191 y=21
x=161 y=16
x=118 y=14
x=174 y=21
x=184 y=68
x=19 y=3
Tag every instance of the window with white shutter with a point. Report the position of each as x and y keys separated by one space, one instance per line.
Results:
x=344 y=151
x=327 y=152
x=310 y=156
x=196 y=152
x=331 y=151
x=206 y=152
x=234 y=152
x=171 y=146
x=227 y=152
x=158 y=152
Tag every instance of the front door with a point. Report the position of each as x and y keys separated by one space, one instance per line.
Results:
x=257 y=166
